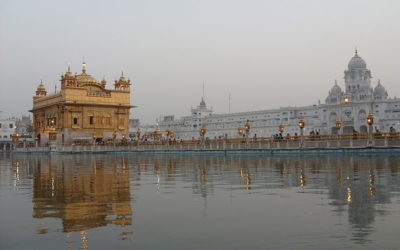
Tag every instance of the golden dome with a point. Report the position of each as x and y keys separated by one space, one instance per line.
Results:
x=68 y=74
x=41 y=87
x=122 y=81
x=85 y=78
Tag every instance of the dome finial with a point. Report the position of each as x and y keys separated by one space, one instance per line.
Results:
x=69 y=67
x=83 y=67
x=356 y=51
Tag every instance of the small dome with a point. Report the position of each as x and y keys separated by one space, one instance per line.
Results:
x=336 y=89
x=41 y=87
x=357 y=63
x=380 y=91
x=68 y=74
x=122 y=81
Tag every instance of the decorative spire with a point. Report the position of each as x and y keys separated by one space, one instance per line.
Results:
x=122 y=73
x=356 y=51
x=83 y=67
x=69 y=67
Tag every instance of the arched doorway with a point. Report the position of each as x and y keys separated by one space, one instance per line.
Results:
x=363 y=129
x=347 y=129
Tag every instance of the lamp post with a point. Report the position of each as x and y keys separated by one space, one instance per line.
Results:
x=370 y=121
x=281 y=128
x=338 y=125
x=169 y=134
x=157 y=134
x=202 y=133
x=302 y=124
x=240 y=131
x=138 y=135
x=247 y=128
x=15 y=139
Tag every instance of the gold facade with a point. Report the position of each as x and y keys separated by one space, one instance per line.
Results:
x=82 y=110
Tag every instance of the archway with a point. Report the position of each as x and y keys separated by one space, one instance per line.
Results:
x=363 y=129
x=347 y=129
x=333 y=117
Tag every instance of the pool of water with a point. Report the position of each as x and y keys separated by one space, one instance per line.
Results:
x=121 y=201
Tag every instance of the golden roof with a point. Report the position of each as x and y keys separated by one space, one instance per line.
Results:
x=41 y=87
x=85 y=78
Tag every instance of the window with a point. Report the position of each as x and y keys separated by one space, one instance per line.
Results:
x=75 y=121
x=91 y=120
x=11 y=125
x=0 y=125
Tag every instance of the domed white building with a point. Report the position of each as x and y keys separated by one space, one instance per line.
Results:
x=350 y=105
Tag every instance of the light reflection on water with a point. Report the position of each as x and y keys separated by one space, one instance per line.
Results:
x=93 y=201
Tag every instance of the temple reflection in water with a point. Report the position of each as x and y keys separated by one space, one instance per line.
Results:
x=90 y=191
x=84 y=191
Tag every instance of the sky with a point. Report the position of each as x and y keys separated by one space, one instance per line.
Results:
x=264 y=54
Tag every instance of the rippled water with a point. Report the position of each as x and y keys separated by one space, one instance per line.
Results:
x=121 y=201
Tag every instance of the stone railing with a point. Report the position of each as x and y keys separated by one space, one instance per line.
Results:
x=320 y=142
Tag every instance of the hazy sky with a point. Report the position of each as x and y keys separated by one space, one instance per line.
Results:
x=266 y=54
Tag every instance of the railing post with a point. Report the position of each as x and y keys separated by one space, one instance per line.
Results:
x=386 y=142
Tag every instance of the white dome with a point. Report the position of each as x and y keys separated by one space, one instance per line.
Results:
x=357 y=63
x=380 y=91
x=336 y=89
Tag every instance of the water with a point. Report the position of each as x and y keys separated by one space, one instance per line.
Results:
x=131 y=201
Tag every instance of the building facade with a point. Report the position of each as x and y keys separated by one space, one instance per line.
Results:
x=83 y=110
x=7 y=129
x=350 y=105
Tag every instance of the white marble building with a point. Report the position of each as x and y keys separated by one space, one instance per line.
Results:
x=7 y=128
x=350 y=105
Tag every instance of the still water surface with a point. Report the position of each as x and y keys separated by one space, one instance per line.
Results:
x=131 y=201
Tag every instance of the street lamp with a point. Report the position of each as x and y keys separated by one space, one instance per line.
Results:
x=302 y=124
x=157 y=134
x=338 y=126
x=240 y=131
x=202 y=133
x=281 y=128
x=247 y=128
x=370 y=121
x=138 y=135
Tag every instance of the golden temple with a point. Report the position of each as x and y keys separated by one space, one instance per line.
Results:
x=83 y=110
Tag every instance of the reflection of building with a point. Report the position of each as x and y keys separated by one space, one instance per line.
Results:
x=351 y=106
x=83 y=196
x=83 y=109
